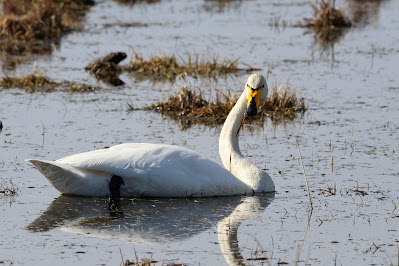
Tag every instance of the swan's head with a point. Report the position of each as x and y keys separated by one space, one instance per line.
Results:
x=257 y=92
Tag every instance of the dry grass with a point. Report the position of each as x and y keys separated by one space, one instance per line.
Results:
x=29 y=83
x=132 y=2
x=329 y=23
x=188 y=106
x=40 y=83
x=161 y=67
x=40 y=22
x=26 y=23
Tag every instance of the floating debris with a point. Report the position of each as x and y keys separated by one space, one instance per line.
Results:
x=189 y=106
x=163 y=67
x=1 y=126
x=107 y=69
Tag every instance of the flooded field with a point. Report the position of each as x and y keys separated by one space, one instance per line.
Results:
x=348 y=138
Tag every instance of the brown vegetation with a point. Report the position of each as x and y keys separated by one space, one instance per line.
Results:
x=26 y=23
x=38 y=22
x=29 y=83
x=329 y=23
x=162 y=67
x=328 y=17
x=132 y=2
x=39 y=83
x=189 y=106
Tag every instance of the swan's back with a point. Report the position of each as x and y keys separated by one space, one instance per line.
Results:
x=153 y=170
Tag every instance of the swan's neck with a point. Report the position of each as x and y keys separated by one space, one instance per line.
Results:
x=230 y=153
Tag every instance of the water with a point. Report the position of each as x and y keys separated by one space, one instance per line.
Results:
x=348 y=140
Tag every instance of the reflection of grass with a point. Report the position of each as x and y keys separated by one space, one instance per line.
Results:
x=329 y=23
x=220 y=5
x=189 y=106
x=40 y=83
x=167 y=67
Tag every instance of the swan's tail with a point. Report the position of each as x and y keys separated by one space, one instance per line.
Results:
x=74 y=181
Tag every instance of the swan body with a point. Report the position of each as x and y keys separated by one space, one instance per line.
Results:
x=158 y=170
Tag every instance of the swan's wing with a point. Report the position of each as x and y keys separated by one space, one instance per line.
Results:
x=71 y=180
x=160 y=170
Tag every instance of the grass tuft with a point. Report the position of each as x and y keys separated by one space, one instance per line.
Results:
x=161 y=67
x=29 y=83
x=189 y=106
x=39 y=83
x=41 y=21
x=26 y=23
x=328 y=23
x=328 y=17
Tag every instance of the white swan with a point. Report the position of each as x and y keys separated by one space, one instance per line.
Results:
x=158 y=170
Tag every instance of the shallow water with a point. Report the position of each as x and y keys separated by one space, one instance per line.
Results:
x=348 y=140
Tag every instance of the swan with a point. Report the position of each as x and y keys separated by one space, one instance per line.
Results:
x=159 y=170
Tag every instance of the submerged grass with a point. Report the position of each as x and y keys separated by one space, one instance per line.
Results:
x=189 y=106
x=161 y=67
x=220 y=5
x=40 y=83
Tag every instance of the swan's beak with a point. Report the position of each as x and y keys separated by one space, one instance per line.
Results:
x=254 y=96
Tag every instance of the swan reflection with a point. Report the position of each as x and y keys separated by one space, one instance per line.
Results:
x=155 y=221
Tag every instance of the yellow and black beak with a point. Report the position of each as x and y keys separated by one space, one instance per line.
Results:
x=254 y=96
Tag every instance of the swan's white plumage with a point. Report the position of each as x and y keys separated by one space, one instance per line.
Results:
x=158 y=170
